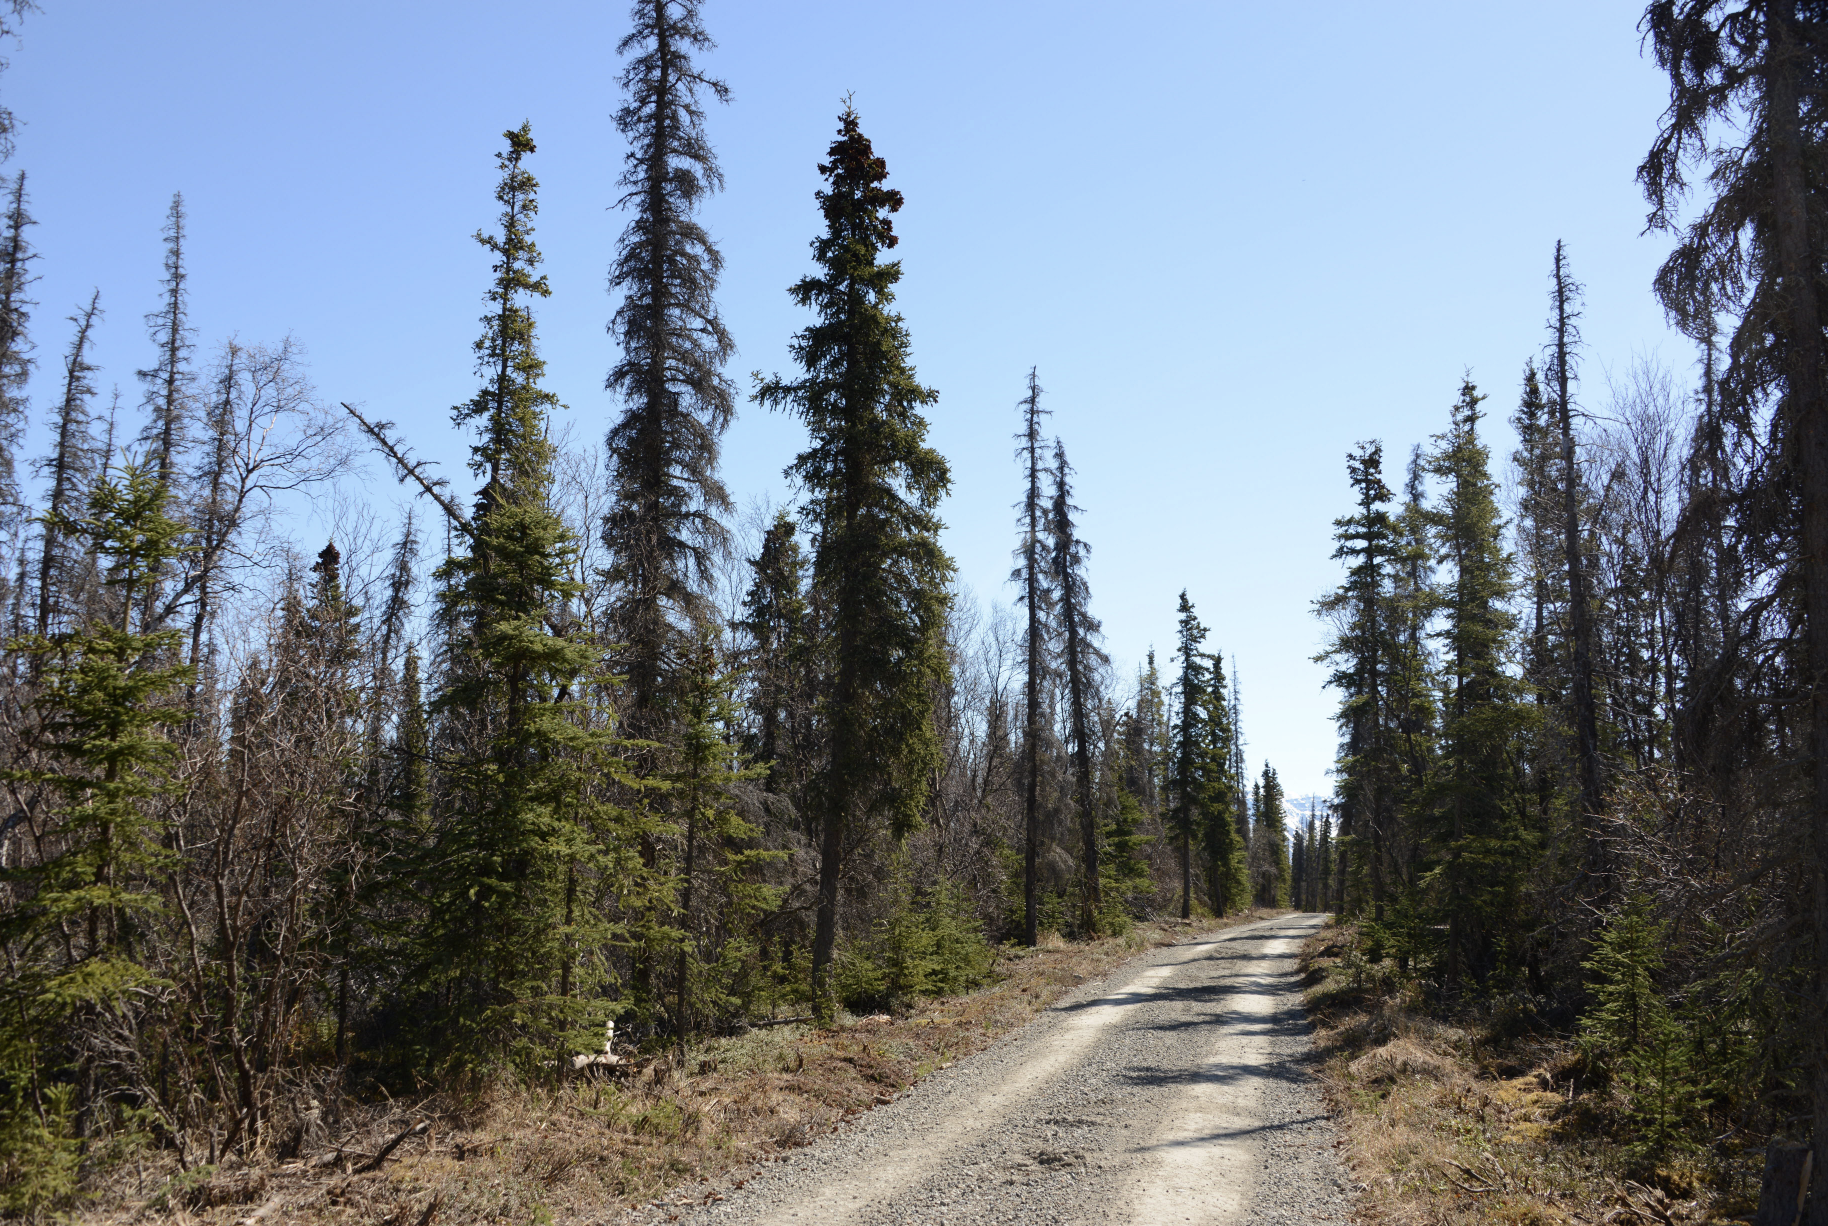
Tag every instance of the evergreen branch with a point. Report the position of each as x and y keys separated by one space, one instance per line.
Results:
x=409 y=467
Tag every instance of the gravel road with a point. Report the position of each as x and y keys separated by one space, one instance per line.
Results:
x=1176 y=1090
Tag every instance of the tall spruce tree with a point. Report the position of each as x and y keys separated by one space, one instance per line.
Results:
x=1362 y=656
x=873 y=488
x=1564 y=330
x=1409 y=679
x=1188 y=765
x=664 y=520
x=507 y=935
x=1222 y=797
x=16 y=363
x=168 y=382
x=1300 y=847
x=1542 y=572
x=69 y=466
x=1235 y=710
x=1144 y=731
x=1479 y=846
x=1036 y=596
x=1080 y=659
x=1269 y=844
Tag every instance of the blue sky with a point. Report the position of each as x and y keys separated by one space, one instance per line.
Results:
x=1235 y=239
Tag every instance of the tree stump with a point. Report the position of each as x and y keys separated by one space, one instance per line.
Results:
x=1786 y=1182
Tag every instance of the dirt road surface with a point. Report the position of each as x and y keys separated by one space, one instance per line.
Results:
x=1176 y=1091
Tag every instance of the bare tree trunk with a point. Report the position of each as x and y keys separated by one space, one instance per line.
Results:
x=685 y=945
x=1186 y=873
x=825 y=924
x=1797 y=274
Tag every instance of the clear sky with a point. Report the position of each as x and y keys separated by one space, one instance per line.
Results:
x=1234 y=238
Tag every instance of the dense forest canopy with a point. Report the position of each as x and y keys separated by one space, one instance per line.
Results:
x=573 y=745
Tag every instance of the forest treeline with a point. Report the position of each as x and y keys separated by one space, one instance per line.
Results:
x=1583 y=761
x=571 y=747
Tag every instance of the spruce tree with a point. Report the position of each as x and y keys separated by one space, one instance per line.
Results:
x=1541 y=560
x=718 y=860
x=16 y=363
x=168 y=382
x=1402 y=743
x=663 y=524
x=1564 y=299
x=1299 y=850
x=408 y=790
x=1143 y=734
x=1325 y=891
x=1312 y=873
x=69 y=465
x=777 y=620
x=1409 y=678
x=1235 y=712
x=1080 y=659
x=1036 y=597
x=873 y=488
x=1269 y=843
x=1222 y=798
x=76 y=936
x=1479 y=847
x=507 y=930
x=217 y=509
x=1187 y=765
x=509 y=411
x=1361 y=653
x=1124 y=868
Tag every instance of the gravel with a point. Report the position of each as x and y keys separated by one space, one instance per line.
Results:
x=1179 y=1089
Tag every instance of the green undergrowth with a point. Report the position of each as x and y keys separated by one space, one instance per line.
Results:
x=1481 y=1110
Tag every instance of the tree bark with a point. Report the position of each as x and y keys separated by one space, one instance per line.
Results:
x=825 y=924
x=1808 y=439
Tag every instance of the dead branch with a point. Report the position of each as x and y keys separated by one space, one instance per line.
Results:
x=409 y=467
x=374 y=1163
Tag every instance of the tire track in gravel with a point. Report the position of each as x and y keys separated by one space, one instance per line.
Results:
x=1177 y=1090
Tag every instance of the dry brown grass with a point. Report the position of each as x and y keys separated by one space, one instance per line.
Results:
x=638 y=1145
x=1445 y=1126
